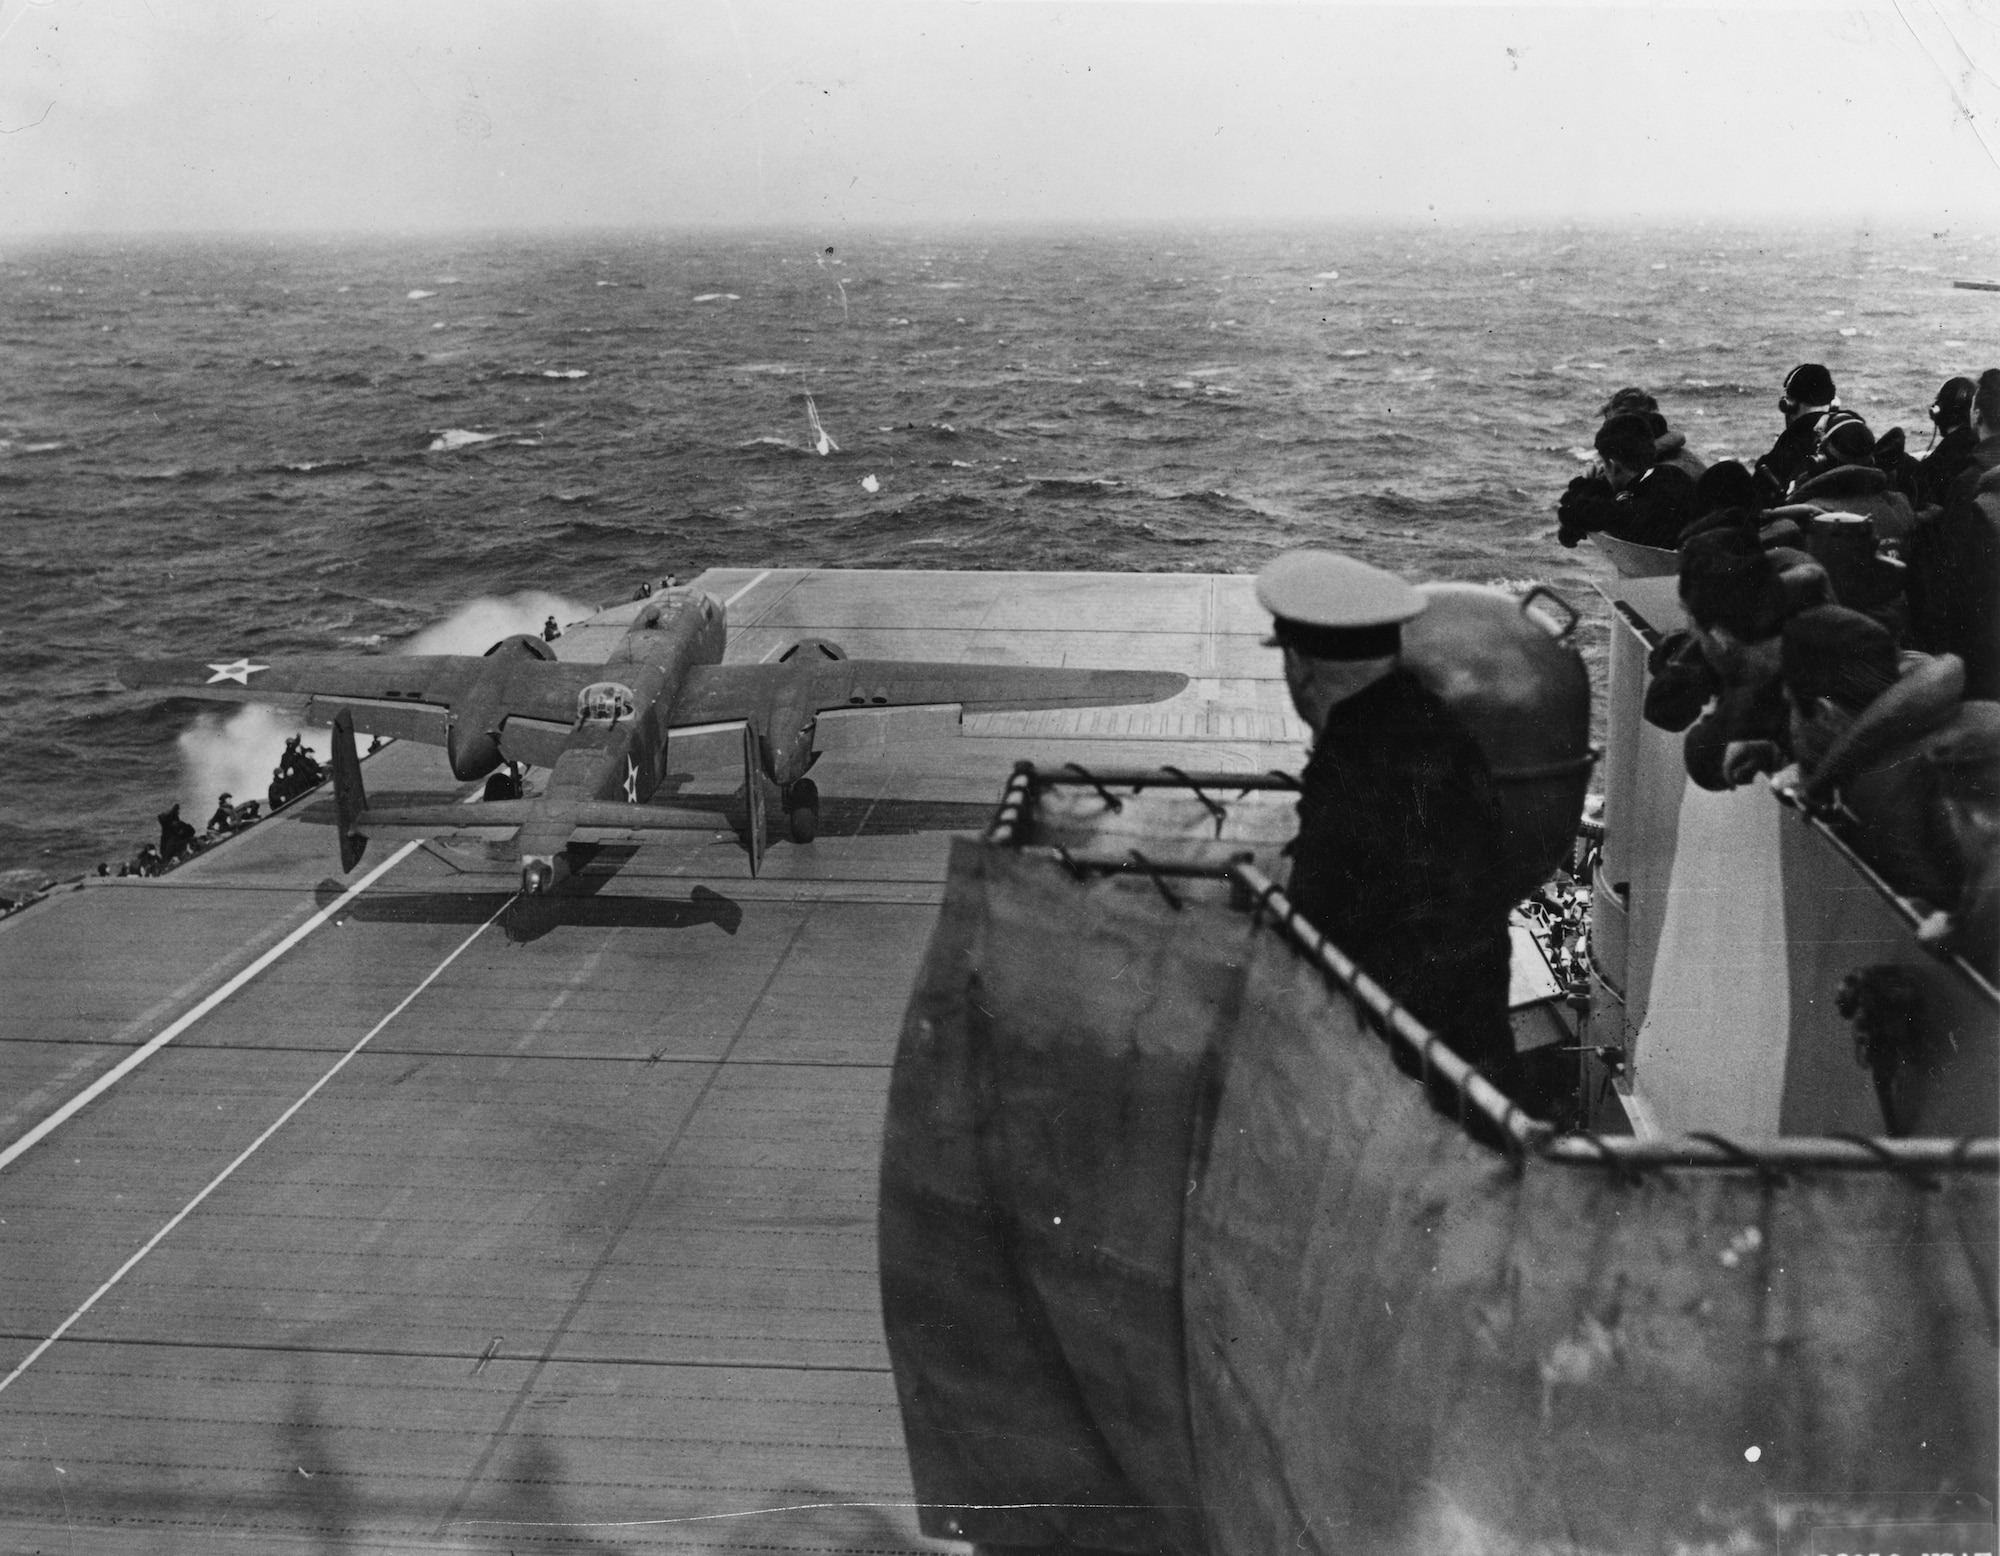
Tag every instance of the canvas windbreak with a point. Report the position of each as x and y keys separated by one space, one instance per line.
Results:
x=1176 y=1257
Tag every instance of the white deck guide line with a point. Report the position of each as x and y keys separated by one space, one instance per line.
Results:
x=140 y=1055
x=747 y=588
x=252 y=1148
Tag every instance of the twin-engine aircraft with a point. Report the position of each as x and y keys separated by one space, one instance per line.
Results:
x=602 y=729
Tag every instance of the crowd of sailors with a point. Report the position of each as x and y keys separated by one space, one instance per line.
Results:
x=1843 y=601
x=297 y=772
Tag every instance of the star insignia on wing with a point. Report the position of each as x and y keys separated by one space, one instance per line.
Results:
x=239 y=671
x=631 y=780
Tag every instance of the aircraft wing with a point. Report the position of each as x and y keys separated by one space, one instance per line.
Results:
x=407 y=696
x=714 y=694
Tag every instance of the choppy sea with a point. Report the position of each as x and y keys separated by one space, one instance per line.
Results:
x=312 y=445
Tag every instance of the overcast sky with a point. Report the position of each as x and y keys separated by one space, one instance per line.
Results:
x=134 y=115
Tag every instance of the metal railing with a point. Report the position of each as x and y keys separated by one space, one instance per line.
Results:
x=1521 y=1135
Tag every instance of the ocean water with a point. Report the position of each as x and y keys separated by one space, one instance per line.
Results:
x=313 y=445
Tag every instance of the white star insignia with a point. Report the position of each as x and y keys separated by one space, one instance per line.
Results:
x=239 y=672
x=631 y=781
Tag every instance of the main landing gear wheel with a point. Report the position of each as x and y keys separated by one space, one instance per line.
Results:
x=802 y=810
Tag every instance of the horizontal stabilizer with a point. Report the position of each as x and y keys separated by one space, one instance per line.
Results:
x=645 y=818
x=598 y=815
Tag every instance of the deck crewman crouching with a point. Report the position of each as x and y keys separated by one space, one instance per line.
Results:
x=1398 y=858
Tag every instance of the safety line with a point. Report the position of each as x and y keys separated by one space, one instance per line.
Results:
x=139 y=1056
x=748 y=587
x=247 y=1152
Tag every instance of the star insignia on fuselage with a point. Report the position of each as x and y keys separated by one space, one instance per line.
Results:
x=238 y=671
x=631 y=780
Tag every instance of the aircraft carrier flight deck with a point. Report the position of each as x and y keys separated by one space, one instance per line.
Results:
x=395 y=1212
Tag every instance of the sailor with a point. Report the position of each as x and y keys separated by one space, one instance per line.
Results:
x=1639 y=497
x=1670 y=447
x=1808 y=395
x=175 y=834
x=550 y=631
x=224 y=818
x=1951 y=414
x=1953 y=557
x=1398 y=859
x=1847 y=476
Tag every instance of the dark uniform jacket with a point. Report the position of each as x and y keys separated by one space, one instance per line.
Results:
x=1952 y=583
x=1398 y=861
x=1980 y=458
x=1858 y=489
x=1788 y=457
x=1650 y=511
x=1941 y=466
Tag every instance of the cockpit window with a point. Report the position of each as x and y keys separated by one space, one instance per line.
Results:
x=605 y=702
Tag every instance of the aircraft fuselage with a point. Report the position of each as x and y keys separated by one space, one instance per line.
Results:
x=618 y=749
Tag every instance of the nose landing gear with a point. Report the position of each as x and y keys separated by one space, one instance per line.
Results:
x=801 y=802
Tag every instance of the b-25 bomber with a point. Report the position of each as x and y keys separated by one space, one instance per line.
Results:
x=603 y=730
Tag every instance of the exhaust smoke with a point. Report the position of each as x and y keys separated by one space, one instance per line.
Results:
x=236 y=753
x=478 y=624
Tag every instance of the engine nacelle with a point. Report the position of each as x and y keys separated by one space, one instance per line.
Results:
x=787 y=746
x=474 y=752
x=522 y=645
x=473 y=740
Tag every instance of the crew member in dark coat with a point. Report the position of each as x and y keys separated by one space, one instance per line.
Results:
x=1398 y=859
x=1845 y=477
x=1638 y=497
x=175 y=834
x=1952 y=560
x=1670 y=447
x=1985 y=452
x=1951 y=414
x=1809 y=395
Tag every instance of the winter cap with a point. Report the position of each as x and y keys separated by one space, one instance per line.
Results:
x=1810 y=384
x=1726 y=484
x=1728 y=580
x=1628 y=438
x=1831 y=651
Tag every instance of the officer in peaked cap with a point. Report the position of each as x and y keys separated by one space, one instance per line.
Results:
x=1398 y=859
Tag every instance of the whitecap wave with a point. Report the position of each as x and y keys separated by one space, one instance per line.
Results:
x=419 y=293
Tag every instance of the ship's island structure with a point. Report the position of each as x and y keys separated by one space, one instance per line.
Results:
x=394 y=1211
